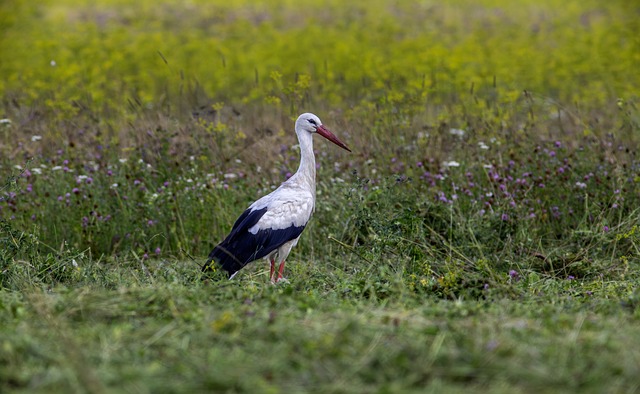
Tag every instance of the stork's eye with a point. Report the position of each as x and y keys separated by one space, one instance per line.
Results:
x=313 y=122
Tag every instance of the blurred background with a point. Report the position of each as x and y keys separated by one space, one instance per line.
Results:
x=124 y=109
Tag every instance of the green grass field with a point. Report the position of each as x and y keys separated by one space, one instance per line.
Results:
x=482 y=235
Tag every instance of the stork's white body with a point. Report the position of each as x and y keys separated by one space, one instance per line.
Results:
x=289 y=206
x=272 y=225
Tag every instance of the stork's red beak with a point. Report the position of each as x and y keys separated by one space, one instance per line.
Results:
x=323 y=131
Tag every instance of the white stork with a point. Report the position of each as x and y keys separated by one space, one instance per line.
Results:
x=272 y=225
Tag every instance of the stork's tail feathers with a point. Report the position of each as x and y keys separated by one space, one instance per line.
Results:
x=214 y=270
x=221 y=260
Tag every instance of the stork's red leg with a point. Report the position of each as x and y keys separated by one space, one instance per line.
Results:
x=272 y=270
x=280 y=270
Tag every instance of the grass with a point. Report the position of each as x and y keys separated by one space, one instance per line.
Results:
x=168 y=331
x=482 y=235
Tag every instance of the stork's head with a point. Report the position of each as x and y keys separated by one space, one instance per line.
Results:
x=310 y=123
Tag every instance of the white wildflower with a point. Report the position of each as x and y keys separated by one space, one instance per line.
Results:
x=581 y=185
x=36 y=171
x=487 y=166
x=122 y=160
x=451 y=163
x=482 y=145
x=52 y=63
x=56 y=168
x=457 y=132
x=5 y=121
x=230 y=175
x=35 y=138
x=113 y=186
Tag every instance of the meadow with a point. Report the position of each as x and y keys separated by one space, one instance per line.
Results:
x=482 y=235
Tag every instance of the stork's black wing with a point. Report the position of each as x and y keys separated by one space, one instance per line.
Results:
x=242 y=247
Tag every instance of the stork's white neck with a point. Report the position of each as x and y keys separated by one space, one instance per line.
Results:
x=307 y=170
